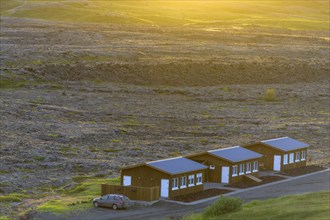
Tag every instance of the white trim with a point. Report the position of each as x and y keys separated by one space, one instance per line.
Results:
x=246 y=168
x=291 y=158
x=274 y=139
x=223 y=148
x=199 y=176
x=302 y=159
x=185 y=181
x=296 y=154
x=163 y=160
x=212 y=167
x=175 y=186
x=189 y=178
x=234 y=175
x=253 y=166
x=240 y=172
x=285 y=159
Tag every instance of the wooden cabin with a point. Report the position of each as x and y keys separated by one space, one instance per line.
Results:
x=175 y=176
x=228 y=165
x=281 y=153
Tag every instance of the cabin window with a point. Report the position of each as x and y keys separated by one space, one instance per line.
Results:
x=175 y=183
x=191 y=180
x=212 y=167
x=297 y=156
x=285 y=159
x=183 y=181
x=255 y=166
x=241 y=168
x=291 y=158
x=234 y=170
x=199 y=178
x=303 y=155
x=248 y=167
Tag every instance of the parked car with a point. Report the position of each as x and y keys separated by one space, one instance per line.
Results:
x=115 y=201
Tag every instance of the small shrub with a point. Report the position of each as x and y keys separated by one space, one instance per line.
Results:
x=222 y=206
x=111 y=150
x=226 y=89
x=39 y=158
x=270 y=95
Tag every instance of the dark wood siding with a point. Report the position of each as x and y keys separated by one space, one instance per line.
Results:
x=144 y=176
x=215 y=175
x=267 y=161
x=188 y=189
x=268 y=156
x=295 y=164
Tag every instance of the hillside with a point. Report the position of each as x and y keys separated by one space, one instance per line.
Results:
x=90 y=86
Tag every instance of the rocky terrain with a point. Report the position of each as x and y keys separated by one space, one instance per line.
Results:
x=85 y=99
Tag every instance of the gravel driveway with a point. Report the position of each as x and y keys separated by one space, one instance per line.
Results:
x=296 y=185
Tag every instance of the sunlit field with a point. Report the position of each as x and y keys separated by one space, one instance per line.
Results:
x=88 y=87
x=310 y=14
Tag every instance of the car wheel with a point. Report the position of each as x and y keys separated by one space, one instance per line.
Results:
x=96 y=204
x=114 y=207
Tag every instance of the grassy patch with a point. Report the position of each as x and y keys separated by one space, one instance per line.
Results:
x=79 y=197
x=293 y=207
x=13 y=197
x=11 y=84
x=39 y=158
x=302 y=15
x=270 y=95
x=111 y=150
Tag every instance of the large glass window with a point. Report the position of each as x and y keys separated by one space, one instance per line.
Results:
x=291 y=158
x=175 y=183
x=234 y=172
x=298 y=156
x=248 y=167
x=183 y=182
x=241 y=168
x=303 y=155
x=199 y=178
x=255 y=166
x=285 y=159
x=191 y=180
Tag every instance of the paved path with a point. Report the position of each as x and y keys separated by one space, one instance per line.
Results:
x=298 y=185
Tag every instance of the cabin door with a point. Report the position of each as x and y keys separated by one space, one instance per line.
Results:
x=164 y=188
x=225 y=175
x=277 y=162
x=127 y=180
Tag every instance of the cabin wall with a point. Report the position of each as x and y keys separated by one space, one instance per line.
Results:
x=268 y=157
x=213 y=175
x=144 y=176
x=267 y=161
x=216 y=174
x=187 y=189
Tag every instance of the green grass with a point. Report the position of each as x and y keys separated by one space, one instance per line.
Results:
x=302 y=15
x=270 y=95
x=311 y=206
x=13 y=197
x=78 y=198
